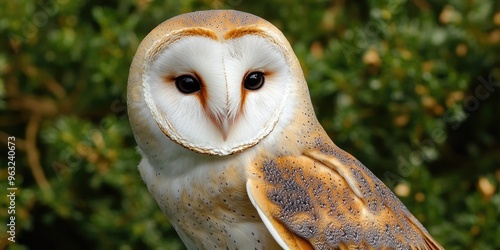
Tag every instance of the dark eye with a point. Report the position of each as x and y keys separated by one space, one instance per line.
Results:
x=187 y=84
x=254 y=80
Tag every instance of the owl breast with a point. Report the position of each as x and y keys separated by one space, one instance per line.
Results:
x=208 y=204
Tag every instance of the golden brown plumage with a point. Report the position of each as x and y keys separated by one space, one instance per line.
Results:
x=329 y=199
x=238 y=167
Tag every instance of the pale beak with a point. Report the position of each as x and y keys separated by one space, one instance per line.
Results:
x=223 y=122
x=226 y=125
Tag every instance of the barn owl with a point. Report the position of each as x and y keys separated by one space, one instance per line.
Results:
x=234 y=154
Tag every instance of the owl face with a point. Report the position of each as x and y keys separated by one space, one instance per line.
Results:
x=217 y=94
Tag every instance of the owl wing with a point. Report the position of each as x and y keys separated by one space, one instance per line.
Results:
x=326 y=199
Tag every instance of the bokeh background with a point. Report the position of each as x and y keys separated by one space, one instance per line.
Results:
x=410 y=87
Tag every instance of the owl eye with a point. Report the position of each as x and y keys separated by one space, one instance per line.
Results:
x=254 y=80
x=187 y=84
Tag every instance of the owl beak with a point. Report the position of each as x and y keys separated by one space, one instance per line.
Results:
x=223 y=122
x=225 y=126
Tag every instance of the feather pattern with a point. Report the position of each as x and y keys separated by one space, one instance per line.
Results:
x=329 y=199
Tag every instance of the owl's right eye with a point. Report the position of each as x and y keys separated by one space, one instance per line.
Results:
x=187 y=84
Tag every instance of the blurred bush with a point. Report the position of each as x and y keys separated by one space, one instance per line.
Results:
x=411 y=88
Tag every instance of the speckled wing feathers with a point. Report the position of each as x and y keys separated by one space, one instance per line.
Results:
x=326 y=199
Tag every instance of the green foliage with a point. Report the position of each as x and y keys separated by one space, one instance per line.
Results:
x=404 y=91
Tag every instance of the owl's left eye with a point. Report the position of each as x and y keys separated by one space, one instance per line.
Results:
x=254 y=80
x=187 y=84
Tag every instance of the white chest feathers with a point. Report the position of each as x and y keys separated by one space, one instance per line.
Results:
x=208 y=206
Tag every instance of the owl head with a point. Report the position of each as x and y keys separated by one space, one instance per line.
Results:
x=215 y=82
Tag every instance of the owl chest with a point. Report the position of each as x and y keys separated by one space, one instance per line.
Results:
x=211 y=209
